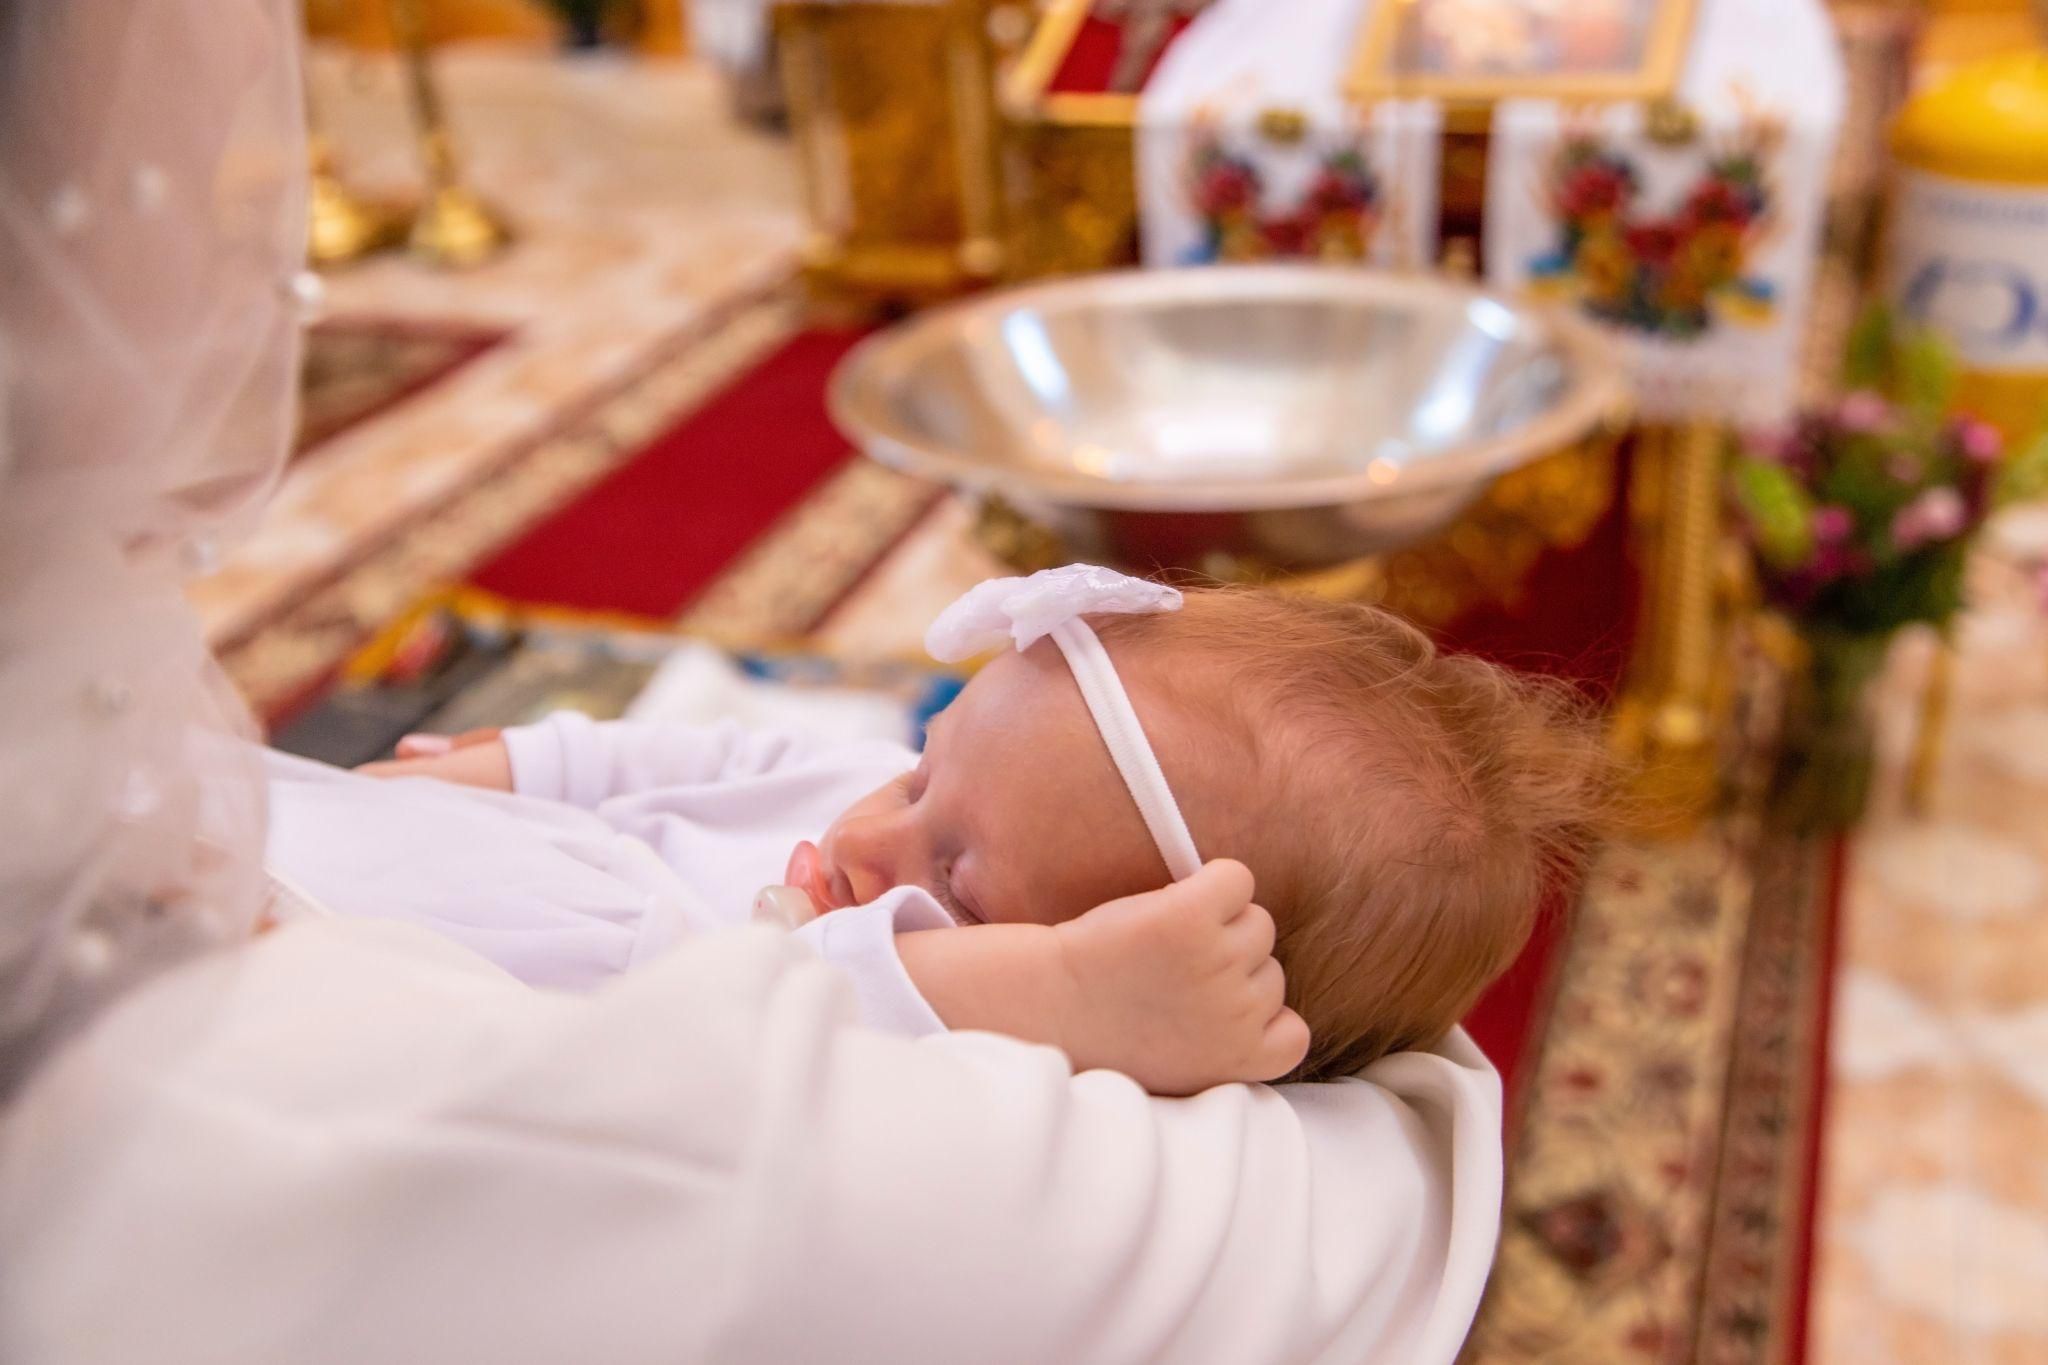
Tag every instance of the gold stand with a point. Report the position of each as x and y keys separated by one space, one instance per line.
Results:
x=1924 y=768
x=341 y=226
x=891 y=109
x=454 y=228
x=1666 y=722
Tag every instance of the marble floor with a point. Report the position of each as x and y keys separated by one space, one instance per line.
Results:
x=645 y=214
x=647 y=217
x=1933 y=1237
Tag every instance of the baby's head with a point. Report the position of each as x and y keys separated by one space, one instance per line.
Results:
x=1401 y=810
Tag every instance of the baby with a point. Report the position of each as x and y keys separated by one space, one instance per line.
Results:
x=1399 y=810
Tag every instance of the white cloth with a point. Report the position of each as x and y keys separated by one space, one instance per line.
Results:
x=152 y=231
x=355 y=1142
x=1239 y=61
x=700 y=684
x=732 y=33
x=621 y=839
x=1763 y=77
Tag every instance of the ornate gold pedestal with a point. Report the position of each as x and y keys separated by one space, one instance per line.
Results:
x=1668 y=721
x=891 y=106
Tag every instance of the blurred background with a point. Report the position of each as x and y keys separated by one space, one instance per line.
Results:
x=675 y=353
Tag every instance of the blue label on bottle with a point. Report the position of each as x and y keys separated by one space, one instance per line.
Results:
x=1971 y=262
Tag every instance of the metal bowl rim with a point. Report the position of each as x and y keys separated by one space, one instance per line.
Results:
x=1594 y=395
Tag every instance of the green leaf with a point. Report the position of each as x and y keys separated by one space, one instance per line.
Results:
x=1924 y=373
x=1868 y=362
x=1925 y=586
x=1778 y=509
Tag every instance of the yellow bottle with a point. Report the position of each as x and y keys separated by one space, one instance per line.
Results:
x=1968 y=252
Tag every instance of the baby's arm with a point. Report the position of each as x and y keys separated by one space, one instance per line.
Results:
x=570 y=757
x=474 y=758
x=1177 y=989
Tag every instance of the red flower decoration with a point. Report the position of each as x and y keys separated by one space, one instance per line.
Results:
x=1718 y=200
x=1654 y=244
x=1226 y=187
x=1286 y=234
x=1595 y=187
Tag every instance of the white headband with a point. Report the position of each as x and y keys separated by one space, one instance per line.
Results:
x=1022 y=611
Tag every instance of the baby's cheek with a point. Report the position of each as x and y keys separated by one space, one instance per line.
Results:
x=1058 y=904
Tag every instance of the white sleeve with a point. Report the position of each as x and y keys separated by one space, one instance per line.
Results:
x=353 y=1142
x=570 y=757
x=861 y=941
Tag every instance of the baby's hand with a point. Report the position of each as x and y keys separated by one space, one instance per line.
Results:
x=1178 y=988
x=474 y=758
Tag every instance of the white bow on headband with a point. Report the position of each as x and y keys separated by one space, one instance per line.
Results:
x=1022 y=611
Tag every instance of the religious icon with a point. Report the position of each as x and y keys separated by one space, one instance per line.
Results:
x=1484 y=50
x=1473 y=37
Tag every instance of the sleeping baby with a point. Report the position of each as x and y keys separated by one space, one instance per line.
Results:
x=1399 y=812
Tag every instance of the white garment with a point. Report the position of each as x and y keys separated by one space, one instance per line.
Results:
x=621 y=839
x=1241 y=60
x=701 y=684
x=353 y=1141
x=1748 y=62
x=152 y=231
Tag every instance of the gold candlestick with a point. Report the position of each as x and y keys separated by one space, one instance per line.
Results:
x=454 y=228
x=341 y=226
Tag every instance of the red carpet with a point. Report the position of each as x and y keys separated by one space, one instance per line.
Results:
x=1807 y=1215
x=653 y=534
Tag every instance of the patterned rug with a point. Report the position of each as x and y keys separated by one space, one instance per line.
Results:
x=1662 y=1162
x=583 y=471
x=1663 y=1151
x=357 y=368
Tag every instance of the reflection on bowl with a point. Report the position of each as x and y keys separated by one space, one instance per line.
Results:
x=1301 y=414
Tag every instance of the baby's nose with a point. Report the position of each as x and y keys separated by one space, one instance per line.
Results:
x=872 y=853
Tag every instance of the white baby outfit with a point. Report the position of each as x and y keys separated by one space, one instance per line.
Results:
x=622 y=837
x=619 y=839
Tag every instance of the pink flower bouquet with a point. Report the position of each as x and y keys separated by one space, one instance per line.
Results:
x=1861 y=514
x=1860 y=517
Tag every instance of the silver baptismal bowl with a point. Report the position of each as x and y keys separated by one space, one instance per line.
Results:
x=1298 y=415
